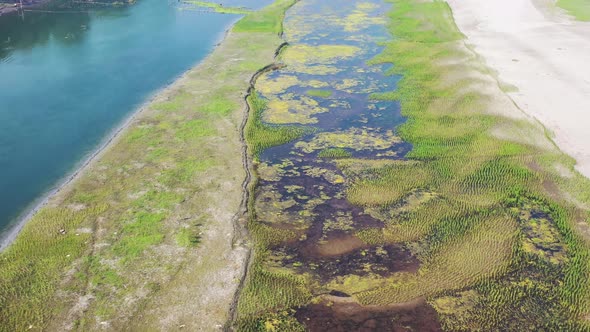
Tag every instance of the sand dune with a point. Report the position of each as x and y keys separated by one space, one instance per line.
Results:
x=542 y=52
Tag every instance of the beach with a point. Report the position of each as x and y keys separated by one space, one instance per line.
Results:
x=542 y=55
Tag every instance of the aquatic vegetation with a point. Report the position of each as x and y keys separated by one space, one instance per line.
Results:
x=334 y=153
x=319 y=93
x=360 y=19
x=322 y=54
x=267 y=85
x=353 y=138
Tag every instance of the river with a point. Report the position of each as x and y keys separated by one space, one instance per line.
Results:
x=70 y=75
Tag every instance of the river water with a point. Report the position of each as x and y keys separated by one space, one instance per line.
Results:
x=70 y=75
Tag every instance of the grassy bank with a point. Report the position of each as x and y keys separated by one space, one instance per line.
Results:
x=580 y=9
x=140 y=239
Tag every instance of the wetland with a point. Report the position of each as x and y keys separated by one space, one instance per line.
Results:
x=386 y=200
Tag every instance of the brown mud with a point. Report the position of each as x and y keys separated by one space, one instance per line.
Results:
x=337 y=315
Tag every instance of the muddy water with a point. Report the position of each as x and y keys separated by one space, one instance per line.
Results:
x=326 y=84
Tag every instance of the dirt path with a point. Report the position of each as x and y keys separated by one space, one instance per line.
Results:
x=544 y=54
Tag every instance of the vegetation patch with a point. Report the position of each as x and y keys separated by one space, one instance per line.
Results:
x=319 y=93
x=216 y=7
x=579 y=9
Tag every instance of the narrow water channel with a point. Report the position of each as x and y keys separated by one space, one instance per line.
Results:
x=70 y=74
x=301 y=195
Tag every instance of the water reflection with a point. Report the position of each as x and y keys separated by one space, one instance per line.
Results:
x=65 y=22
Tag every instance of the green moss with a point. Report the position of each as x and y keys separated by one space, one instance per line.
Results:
x=138 y=234
x=175 y=103
x=194 y=129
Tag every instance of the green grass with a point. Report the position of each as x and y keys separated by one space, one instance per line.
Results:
x=268 y=20
x=260 y=135
x=218 y=8
x=580 y=9
x=334 y=153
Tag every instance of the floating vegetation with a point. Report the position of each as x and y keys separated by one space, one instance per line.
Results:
x=354 y=138
x=319 y=93
x=334 y=153
x=302 y=54
x=291 y=109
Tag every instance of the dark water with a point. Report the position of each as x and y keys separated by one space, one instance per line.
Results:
x=68 y=78
x=319 y=210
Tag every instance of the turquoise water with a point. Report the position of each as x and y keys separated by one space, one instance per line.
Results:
x=67 y=79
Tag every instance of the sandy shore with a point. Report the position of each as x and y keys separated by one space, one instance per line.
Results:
x=535 y=47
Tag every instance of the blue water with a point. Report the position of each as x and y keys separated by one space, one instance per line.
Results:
x=68 y=79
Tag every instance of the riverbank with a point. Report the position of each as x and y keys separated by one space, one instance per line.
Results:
x=542 y=55
x=143 y=236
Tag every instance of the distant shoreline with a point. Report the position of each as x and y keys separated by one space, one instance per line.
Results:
x=11 y=8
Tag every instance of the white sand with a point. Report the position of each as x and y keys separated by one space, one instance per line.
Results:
x=546 y=55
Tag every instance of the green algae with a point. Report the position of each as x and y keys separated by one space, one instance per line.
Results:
x=360 y=18
x=319 y=93
x=266 y=85
x=288 y=109
x=354 y=138
x=317 y=59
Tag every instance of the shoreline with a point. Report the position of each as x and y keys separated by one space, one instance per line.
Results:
x=540 y=51
x=8 y=236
